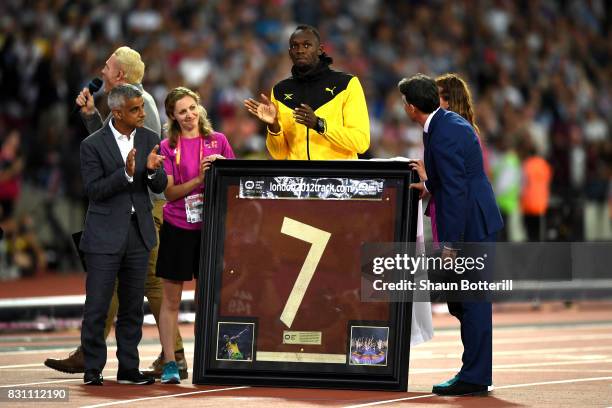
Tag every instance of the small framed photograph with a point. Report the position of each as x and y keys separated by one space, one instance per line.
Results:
x=235 y=341
x=369 y=345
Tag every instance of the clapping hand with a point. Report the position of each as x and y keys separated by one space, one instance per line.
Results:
x=304 y=115
x=154 y=160
x=130 y=163
x=265 y=110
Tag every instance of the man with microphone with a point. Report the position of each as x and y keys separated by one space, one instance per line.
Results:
x=317 y=113
x=125 y=66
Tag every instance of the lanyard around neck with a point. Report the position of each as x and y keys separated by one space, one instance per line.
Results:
x=178 y=156
x=178 y=150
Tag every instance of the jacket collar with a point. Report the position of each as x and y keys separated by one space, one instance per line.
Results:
x=427 y=122
x=316 y=72
x=432 y=120
x=113 y=147
x=111 y=144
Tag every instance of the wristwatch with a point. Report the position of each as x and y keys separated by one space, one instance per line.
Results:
x=321 y=125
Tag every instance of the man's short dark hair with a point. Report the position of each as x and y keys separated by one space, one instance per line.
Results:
x=307 y=27
x=121 y=93
x=420 y=91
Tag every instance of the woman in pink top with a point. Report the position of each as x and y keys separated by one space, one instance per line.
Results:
x=189 y=150
x=454 y=96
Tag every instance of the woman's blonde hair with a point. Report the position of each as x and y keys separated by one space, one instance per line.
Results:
x=131 y=64
x=172 y=127
x=455 y=91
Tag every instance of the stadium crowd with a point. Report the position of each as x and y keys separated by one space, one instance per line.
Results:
x=540 y=72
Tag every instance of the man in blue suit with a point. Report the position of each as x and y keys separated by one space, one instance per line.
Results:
x=118 y=163
x=466 y=211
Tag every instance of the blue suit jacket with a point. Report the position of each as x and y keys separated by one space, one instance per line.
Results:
x=111 y=196
x=466 y=210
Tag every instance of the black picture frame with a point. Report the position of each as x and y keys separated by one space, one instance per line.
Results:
x=236 y=231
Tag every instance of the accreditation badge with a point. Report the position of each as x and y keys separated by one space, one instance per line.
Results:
x=194 y=205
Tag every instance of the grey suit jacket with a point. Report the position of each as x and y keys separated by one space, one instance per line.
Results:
x=110 y=194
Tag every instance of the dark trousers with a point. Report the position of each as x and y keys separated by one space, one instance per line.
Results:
x=129 y=266
x=476 y=320
x=477 y=338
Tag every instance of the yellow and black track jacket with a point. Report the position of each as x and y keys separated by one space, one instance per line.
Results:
x=336 y=97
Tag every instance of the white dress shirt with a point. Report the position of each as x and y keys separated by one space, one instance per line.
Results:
x=426 y=125
x=125 y=143
x=426 y=130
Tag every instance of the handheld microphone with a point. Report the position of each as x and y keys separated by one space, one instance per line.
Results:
x=94 y=86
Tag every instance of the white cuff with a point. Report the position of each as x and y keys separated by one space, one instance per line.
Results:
x=129 y=179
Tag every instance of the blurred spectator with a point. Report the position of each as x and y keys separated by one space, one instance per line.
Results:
x=23 y=255
x=535 y=191
x=11 y=166
x=506 y=179
x=596 y=211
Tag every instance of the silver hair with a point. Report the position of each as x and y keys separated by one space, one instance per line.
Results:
x=121 y=93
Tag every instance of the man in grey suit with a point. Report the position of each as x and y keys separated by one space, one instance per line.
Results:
x=118 y=163
x=125 y=66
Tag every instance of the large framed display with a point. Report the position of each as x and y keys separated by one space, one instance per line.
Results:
x=280 y=274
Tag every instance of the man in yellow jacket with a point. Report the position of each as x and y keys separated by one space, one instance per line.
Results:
x=317 y=113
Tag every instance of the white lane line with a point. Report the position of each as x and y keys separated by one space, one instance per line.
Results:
x=547 y=351
x=38 y=351
x=552 y=363
x=181 y=394
x=575 y=380
x=546 y=357
x=509 y=366
x=503 y=331
x=66 y=300
x=22 y=366
x=371 y=404
x=522 y=340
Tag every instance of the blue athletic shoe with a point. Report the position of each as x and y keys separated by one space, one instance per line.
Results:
x=170 y=375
